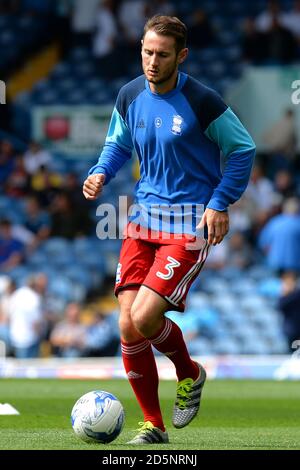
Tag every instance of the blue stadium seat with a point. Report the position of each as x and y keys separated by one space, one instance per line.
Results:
x=42 y=85
x=61 y=287
x=78 y=54
x=78 y=273
x=75 y=97
x=56 y=246
x=95 y=85
x=38 y=259
x=61 y=70
x=47 y=97
x=83 y=70
x=67 y=84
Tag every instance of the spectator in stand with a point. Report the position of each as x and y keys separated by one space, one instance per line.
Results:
x=83 y=21
x=284 y=184
x=131 y=17
x=280 y=238
x=102 y=336
x=35 y=158
x=9 y=6
x=45 y=184
x=254 y=44
x=217 y=256
x=260 y=190
x=289 y=305
x=26 y=317
x=8 y=286
x=201 y=33
x=261 y=196
x=68 y=337
x=241 y=215
x=17 y=184
x=281 y=44
x=67 y=222
x=11 y=249
x=291 y=20
x=37 y=220
x=264 y=20
x=281 y=139
x=72 y=187
x=6 y=162
x=161 y=7
x=104 y=40
x=240 y=254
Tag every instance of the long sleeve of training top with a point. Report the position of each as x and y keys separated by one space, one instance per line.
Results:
x=178 y=137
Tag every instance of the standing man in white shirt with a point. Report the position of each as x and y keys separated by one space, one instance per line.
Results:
x=26 y=319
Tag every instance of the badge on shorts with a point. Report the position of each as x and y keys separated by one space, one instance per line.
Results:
x=118 y=276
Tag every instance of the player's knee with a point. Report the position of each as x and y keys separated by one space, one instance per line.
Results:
x=141 y=321
x=127 y=330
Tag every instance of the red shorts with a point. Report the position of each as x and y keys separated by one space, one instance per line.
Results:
x=168 y=269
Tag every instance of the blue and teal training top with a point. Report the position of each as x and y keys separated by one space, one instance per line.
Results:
x=178 y=137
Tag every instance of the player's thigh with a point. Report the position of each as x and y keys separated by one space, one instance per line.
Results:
x=136 y=259
x=173 y=272
x=148 y=309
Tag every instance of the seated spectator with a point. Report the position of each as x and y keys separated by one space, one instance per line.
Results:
x=282 y=140
x=26 y=317
x=281 y=44
x=35 y=158
x=105 y=38
x=254 y=43
x=17 y=184
x=68 y=337
x=6 y=162
x=239 y=251
x=37 y=221
x=67 y=222
x=102 y=336
x=264 y=20
x=11 y=249
x=160 y=7
x=217 y=256
x=201 y=33
x=83 y=21
x=289 y=305
x=291 y=20
x=280 y=238
x=260 y=190
x=73 y=188
x=7 y=290
x=45 y=184
x=132 y=18
x=284 y=184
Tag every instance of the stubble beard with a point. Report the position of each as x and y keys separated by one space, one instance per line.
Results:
x=162 y=80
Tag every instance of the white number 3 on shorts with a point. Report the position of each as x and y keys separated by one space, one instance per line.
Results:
x=173 y=263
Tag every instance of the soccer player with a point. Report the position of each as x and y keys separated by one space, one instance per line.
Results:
x=178 y=128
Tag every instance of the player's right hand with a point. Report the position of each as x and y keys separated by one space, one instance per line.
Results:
x=92 y=186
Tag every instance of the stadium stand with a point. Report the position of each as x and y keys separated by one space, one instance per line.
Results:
x=233 y=309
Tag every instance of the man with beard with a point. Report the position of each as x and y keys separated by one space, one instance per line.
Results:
x=178 y=128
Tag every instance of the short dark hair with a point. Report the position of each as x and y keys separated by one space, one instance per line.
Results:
x=168 y=26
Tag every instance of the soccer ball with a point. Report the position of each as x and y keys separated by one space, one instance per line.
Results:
x=97 y=416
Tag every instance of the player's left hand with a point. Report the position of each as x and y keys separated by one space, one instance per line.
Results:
x=217 y=224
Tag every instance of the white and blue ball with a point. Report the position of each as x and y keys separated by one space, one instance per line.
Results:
x=98 y=416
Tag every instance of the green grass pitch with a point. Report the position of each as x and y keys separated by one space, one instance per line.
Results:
x=234 y=415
